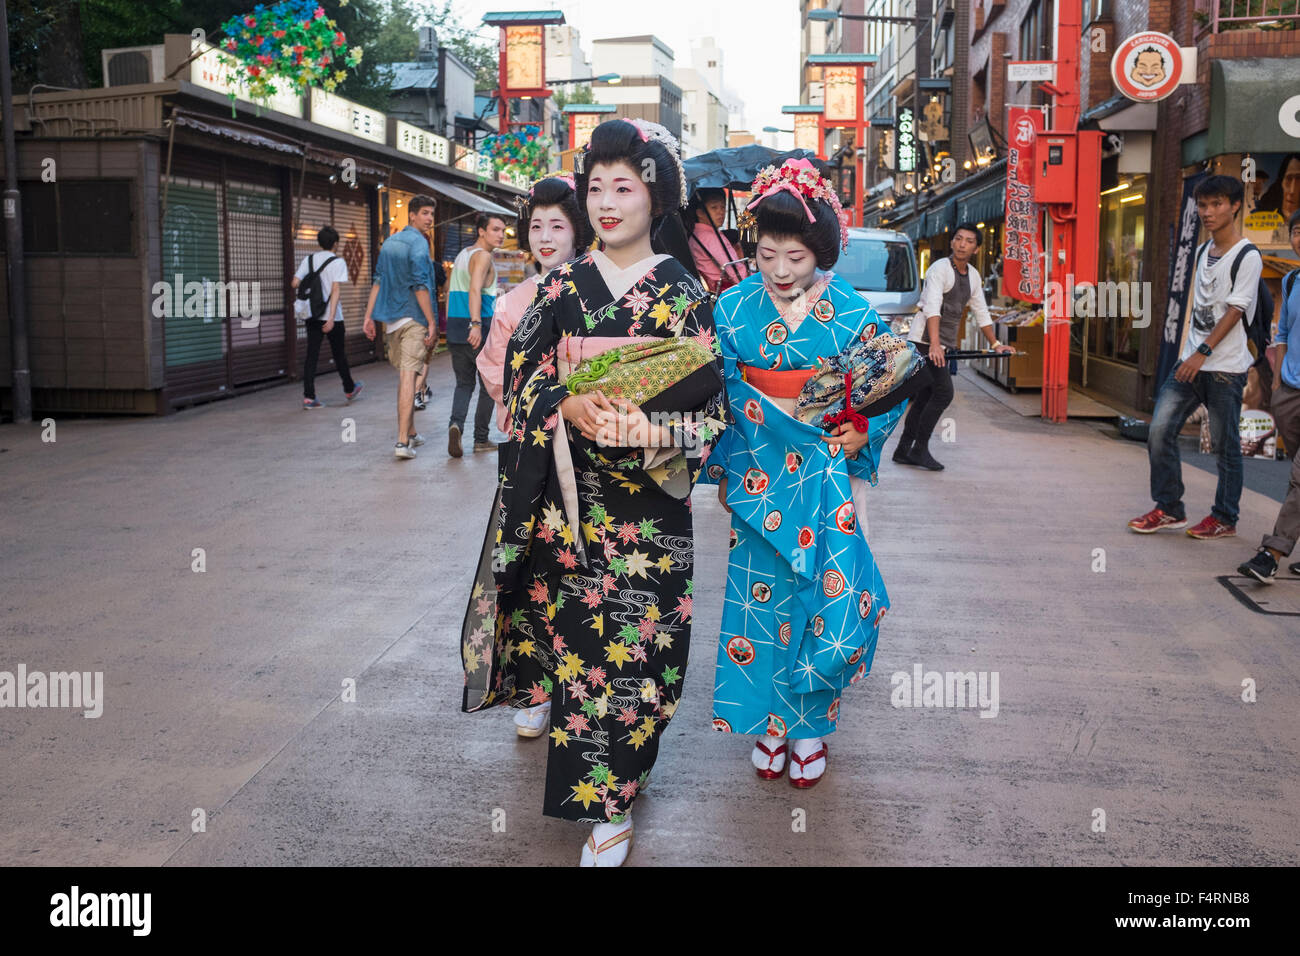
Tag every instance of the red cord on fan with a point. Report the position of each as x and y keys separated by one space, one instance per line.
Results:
x=858 y=421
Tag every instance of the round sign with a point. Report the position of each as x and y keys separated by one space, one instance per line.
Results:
x=1147 y=66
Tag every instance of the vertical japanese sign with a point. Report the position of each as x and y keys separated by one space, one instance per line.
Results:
x=1185 y=231
x=1022 y=270
x=523 y=57
x=582 y=124
x=808 y=132
x=840 y=94
x=906 y=140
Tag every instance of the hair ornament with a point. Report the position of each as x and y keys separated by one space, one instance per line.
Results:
x=801 y=179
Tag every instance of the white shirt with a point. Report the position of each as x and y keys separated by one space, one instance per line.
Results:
x=1212 y=296
x=336 y=271
x=939 y=279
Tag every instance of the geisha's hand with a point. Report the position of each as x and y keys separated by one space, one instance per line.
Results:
x=623 y=425
x=581 y=411
x=848 y=438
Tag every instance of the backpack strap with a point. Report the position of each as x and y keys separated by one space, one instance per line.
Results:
x=1288 y=283
x=314 y=269
x=1232 y=273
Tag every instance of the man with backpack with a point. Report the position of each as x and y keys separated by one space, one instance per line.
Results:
x=1212 y=367
x=1286 y=415
x=316 y=285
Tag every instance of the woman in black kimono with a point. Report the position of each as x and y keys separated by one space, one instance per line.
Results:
x=585 y=586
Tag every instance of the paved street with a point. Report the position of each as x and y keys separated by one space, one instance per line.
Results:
x=1118 y=690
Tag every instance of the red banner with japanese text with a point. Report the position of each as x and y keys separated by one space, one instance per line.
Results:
x=1022 y=263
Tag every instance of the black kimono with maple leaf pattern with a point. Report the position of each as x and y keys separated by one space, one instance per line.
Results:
x=602 y=630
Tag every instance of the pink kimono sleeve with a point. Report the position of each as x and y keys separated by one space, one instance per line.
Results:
x=492 y=358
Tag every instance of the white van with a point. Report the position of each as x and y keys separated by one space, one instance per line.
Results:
x=881 y=264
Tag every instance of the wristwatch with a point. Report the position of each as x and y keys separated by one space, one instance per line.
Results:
x=1204 y=349
x=475 y=324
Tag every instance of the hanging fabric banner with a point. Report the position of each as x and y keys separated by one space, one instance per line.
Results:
x=1184 y=232
x=1022 y=270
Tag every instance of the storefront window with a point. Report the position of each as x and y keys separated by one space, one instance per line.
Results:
x=1123 y=228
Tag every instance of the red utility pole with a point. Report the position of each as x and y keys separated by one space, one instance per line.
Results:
x=1066 y=180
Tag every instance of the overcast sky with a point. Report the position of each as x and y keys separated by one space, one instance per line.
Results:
x=759 y=40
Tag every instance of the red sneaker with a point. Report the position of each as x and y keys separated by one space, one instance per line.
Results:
x=1212 y=527
x=1154 y=520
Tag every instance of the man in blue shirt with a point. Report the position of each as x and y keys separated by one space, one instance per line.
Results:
x=1286 y=418
x=402 y=298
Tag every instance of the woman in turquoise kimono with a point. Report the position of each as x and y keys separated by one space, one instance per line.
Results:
x=804 y=597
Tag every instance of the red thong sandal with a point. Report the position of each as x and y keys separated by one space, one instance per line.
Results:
x=803 y=783
x=769 y=773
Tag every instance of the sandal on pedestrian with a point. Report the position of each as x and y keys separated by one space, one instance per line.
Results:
x=804 y=782
x=532 y=721
x=610 y=850
x=773 y=770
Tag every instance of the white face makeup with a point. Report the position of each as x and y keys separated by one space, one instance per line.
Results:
x=618 y=204
x=787 y=264
x=550 y=236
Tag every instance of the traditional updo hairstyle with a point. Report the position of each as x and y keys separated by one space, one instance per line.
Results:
x=781 y=216
x=618 y=141
x=553 y=191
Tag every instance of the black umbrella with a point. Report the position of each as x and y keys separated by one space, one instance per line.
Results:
x=736 y=167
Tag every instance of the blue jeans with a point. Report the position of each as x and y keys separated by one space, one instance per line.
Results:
x=1220 y=392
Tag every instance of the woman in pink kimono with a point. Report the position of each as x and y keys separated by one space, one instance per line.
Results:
x=553 y=228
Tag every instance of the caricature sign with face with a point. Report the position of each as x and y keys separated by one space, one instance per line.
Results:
x=1147 y=67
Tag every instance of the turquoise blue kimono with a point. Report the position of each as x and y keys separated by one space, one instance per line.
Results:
x=804 y=596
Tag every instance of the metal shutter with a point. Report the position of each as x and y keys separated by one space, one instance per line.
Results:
x=256 y=263
x=192 y=252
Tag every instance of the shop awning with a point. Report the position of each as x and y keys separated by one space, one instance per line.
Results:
x=465 y=197
x=236 y=131
x=941 y=218
x=1246 y=105
x=984 y=204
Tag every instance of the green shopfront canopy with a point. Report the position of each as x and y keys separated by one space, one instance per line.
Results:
x=1247 y=100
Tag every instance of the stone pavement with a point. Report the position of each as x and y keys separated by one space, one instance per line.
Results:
x=1119 y=690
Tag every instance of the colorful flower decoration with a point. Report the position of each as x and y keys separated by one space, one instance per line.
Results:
x=800 y=176
x=523 y=150
x=292 y=42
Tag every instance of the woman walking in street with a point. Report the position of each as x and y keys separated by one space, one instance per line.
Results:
x=585 y=584
x=552 y=227
x=804 y=598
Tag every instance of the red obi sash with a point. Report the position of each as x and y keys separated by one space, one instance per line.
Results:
x=776 y=383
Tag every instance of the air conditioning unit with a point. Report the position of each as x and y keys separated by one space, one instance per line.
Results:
x=129 y=65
